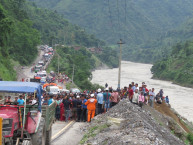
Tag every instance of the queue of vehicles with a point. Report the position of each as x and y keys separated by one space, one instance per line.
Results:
x=30 y=124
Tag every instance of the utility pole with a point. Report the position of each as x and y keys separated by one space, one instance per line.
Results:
x=120 y=58
x=73 y=74
x=58 y=64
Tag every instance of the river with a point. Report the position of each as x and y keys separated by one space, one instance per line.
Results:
x=181 y=98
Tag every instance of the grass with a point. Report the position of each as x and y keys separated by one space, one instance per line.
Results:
x=92 y=132
x=190 y=138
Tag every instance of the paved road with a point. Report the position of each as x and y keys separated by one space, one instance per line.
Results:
x=71 y=133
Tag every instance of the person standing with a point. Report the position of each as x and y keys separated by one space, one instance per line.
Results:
x=20 y=100
x=141 y=99
x=91 y=106
x=79 y=111
x=130 y=92
x=135 y=97
x=58 y=108
x=151 y=97
x=106 y=99
x=50 y=100
x=74 y=107
x=114 y=97
x=67 y=105
x=84 y=108
x=100 y=101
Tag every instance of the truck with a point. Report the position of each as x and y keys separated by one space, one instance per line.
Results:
x=26 y=124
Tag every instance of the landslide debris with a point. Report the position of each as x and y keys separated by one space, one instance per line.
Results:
x=126 y=123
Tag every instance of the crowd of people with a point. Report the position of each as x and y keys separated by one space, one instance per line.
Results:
x=84 y=106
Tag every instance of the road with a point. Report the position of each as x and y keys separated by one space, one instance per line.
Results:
x=25 y=72
x=67 y=133
x=62 y=133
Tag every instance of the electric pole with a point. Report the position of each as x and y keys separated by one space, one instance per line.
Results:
x=120 y=58
x=58 y=64
x=73 y=74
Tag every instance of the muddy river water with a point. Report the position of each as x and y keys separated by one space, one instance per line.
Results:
x=181 y=98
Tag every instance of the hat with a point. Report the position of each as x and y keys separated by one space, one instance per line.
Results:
x=106 y=89
x=77 y=96
x=99 y=90
x=92 y=95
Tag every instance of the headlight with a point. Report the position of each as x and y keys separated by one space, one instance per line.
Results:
x=5 y=121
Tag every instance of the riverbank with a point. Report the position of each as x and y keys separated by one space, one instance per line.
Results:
x=180 y=97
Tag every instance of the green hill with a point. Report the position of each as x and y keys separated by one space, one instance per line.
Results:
x=23 y=26
x=161 y=47
x=178 y=67
x=142 y=24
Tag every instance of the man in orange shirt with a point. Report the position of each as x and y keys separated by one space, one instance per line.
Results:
x=91 y=106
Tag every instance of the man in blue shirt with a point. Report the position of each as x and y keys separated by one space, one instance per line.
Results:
x=20 y=100
x=106 y=99
x=100 y=101
x=84 y=108
x=50 y=100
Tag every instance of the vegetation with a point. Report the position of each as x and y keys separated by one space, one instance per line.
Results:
x=93 y=131
x=18 y=40
x=150 y=28
x=178 y=67
x=23 y=26
x=82 y=61
x=190 y=138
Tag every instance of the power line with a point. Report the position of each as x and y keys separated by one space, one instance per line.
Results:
x=110 y=16
x=118 y=16
x=125 y=19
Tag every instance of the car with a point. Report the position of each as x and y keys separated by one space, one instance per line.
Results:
x=65 y=91
x=41 y=63
x=53 y=90
x=74 y=90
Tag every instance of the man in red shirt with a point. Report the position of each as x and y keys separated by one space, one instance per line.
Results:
x=130 y=90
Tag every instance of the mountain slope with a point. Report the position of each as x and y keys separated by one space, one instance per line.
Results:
x=178 y=67
x=143 y=17
x=139 y=23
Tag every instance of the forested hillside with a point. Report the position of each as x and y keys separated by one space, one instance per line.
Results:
x=83 y=63
x=178 y=67
x=23 y=26
x=18 y=40
x=142 y=24
x=162 y=47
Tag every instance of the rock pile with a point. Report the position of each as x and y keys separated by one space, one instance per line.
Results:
x=127 y=123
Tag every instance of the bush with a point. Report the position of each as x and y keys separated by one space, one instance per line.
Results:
x=190 y=138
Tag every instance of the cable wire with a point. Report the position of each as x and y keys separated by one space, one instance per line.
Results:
x=110 y=17
x=118 y=16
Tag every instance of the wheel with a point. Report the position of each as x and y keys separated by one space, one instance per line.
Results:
x=39 y=137
x=48 y=137
x=26 y=142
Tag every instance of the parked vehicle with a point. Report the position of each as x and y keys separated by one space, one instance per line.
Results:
x=28 y=124
x=38 y=68
x=52 y=90
x=74 y=90
x=41 y=63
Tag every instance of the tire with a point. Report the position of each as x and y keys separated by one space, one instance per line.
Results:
x=39 y=138
x=48 y=137
x=26 y=142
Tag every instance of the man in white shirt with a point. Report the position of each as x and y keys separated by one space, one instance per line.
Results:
x=152 y=97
